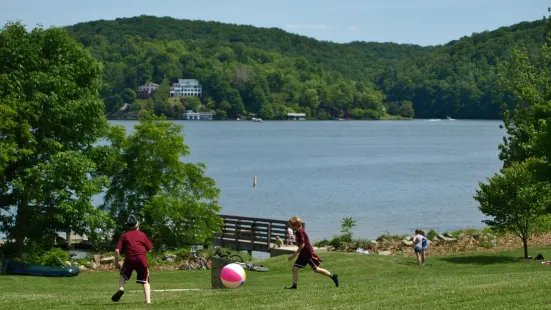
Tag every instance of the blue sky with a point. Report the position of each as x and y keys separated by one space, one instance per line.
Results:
x=424 y=22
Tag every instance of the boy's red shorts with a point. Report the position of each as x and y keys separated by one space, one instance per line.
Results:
x=140 y=265
x=313 y=260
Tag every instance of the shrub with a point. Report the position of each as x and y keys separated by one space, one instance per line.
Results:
x=35 y=254
x=486 y=244
x=54 y=257
x=321 y=243
x=336 y=242
x=431 y=234
x=388 y=236
x=347 y=224
x=181 y=254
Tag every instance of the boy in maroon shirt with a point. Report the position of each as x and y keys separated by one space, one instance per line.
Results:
x=134 y=244
x=306 y=254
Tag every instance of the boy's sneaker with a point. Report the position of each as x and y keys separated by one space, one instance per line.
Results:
x=335 y=279
x=117 y=296
x=293 y=287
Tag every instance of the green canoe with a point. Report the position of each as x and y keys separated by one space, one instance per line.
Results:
x=15 y=267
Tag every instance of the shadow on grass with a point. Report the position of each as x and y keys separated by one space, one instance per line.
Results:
x=408 y=263
x=480 y=259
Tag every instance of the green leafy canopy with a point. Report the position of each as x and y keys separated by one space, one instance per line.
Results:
x=177 y=203
x=518 y=199
x=51 y=118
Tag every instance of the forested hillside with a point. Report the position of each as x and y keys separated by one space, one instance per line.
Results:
x=270 y=72
x=459 y=78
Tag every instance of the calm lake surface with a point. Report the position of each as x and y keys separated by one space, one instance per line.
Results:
x=390 y=176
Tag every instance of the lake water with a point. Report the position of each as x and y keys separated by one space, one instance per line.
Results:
x=389 y=176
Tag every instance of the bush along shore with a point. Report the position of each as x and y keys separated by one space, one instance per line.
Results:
x=165 y=260
x=448 y=243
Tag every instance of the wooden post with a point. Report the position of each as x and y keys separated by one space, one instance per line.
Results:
x=217 y=265
x=253 y=227
x=269 y=237
x=237 y=234
x=222 y=233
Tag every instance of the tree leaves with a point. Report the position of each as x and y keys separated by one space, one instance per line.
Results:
x=518 y=199
x=177 y=203
x=52 y=120
x=515 y=197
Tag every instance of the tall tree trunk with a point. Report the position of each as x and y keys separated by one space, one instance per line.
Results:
x=68 y=239
x=525 y=243
x=93 y=238
x=21 y=224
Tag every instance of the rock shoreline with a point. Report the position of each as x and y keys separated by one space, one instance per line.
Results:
x=445 y=244
x=440 y=245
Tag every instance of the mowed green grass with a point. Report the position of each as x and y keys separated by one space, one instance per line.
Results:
x=478 y=281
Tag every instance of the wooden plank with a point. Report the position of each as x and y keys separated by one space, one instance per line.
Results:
x=250 y=234
x=236 y=217
x=231 y=221
x=262 y=230
x=248 y=231
x=253 y=227
x=247 y=224
x=252 y=219
x=269 y=235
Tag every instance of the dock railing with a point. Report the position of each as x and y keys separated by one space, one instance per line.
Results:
x=250 y=233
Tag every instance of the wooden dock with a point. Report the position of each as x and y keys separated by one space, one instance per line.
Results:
x=289 y=249
x=254 y=234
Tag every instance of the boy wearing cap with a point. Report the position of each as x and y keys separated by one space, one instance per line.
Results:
x=134 y=244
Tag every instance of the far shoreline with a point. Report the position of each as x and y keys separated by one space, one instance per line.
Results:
x=313 y=120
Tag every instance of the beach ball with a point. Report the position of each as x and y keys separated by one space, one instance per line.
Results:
x=233 y=275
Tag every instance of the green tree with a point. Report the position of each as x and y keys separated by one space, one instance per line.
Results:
x=128 y=96
x=517 y=199
x=65 y=189
x=192 y=103
x=309 y=98
x=357 y=113
x=400 y=108
x=347 y=224
x=530 y=85
x=8 y=124
x=406 y=109
x=113 y=103
x=162 y=107
x=49 y=92
x=457 y=79
x=258 y=99
x=267 y=111
x=177 y=203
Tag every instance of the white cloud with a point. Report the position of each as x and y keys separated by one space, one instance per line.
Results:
x=354 y=28
x=307 y=26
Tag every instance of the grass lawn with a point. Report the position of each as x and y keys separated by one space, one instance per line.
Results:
x=478 y=281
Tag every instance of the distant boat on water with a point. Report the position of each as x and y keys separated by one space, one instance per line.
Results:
x=438 y=119
x=257 y=120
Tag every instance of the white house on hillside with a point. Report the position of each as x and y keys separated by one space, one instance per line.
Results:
x=146 y=90
x=149 y=87
x=186 y=88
